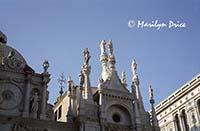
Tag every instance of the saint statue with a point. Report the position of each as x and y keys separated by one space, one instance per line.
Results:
x=81 y=78
x=35 y=104
x=102 y=47
x=134 y=66
x=110 y=47
x=86 y=56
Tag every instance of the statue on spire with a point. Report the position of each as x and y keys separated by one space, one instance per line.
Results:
x=123 y=80
x=134 y=67
x=86 y=56
x=102 y=47
x=111 y=55
x=81 y=78
x=110 y=47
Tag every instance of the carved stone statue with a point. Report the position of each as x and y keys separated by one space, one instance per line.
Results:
x=81 y=78
x=35 y=104
x=102 y=47
x=86 y=56
x=110 y=47
x=123 y=80
x=134 y=66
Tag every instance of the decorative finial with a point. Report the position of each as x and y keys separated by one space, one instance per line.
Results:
x=102 y=47
x=151 y=93
x=81 y=78
x=61 y=82
x=123 y=80
x=70 y=83
x=45 y=66
x=86 y=56
x=110 y=47
x=134 y=67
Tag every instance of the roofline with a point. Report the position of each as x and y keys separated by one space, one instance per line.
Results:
x=179 y=92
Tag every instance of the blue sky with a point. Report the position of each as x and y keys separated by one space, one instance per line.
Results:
x=59 y=31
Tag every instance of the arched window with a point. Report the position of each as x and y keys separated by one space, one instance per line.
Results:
x=184 y=117
x=177 y=123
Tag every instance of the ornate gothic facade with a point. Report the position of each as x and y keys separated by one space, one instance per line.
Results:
x=108 y=107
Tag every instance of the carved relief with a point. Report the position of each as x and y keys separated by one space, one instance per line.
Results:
x=10 y=96
x=12 y=61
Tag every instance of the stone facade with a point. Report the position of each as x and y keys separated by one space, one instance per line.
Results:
x=24 y=94
x=181 y=110
x=108 y=107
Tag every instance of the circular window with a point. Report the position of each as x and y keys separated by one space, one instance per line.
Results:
x=116 y=118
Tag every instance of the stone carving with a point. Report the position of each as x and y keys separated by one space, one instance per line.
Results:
x=102 y=47
x=34 y=104
x=81 y=78
x=13 y=62
x=123 y=80
x=134 y=67
x=10 y=96
x=86 y=56
x=110 y=47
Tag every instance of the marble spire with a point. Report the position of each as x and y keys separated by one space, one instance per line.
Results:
x=135 y=84
x=104 y=61
x=154 y=120
x=86 y=69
